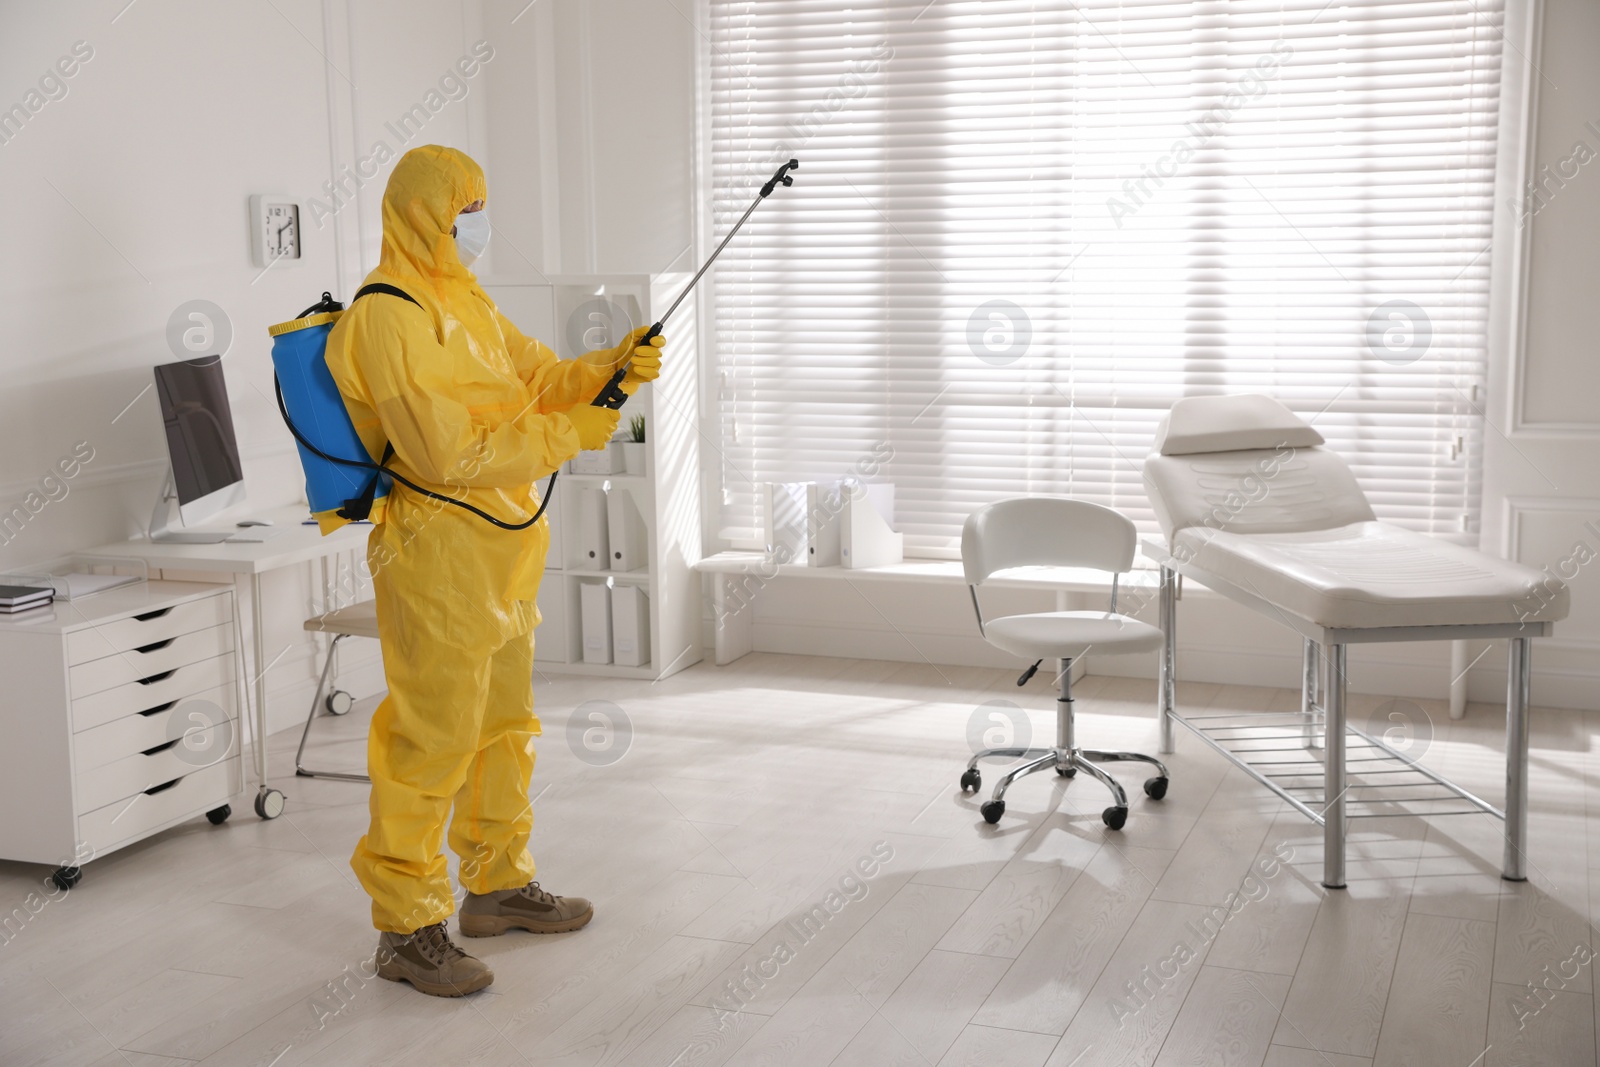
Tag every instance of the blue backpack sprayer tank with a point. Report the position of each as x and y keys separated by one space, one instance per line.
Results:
x=343 y=484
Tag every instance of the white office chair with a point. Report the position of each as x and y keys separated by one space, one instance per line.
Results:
x=357 y=620
x=1041 y=531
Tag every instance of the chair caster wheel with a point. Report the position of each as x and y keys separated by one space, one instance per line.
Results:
x=971 y=781
x=1155 y=788
x=218 y=816
x=269 y=803
x=338 y=702
x=1067 y=772
x=992 y=810
x=1114 y=817
x=66 y=877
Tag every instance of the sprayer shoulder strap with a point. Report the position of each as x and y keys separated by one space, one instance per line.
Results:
x=387 y=290
x=360 y=507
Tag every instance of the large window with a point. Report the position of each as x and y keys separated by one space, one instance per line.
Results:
x=1020 y=230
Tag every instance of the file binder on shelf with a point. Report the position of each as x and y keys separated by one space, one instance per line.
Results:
x=593 y=544
x=630 y=626
x=625 y=532
x=594 y=610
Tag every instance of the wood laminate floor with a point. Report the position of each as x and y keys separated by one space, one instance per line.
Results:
x=727 y=851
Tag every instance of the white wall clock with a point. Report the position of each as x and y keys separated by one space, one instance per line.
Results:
x=275 y=231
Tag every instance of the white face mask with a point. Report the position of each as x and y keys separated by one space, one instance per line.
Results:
x=472 y=235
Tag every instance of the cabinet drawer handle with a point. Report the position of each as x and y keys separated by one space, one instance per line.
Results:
x=162 y=788
x=157 y=614
x=154 y=678
x=155 y=646
x=161 y=747
x=158 y=709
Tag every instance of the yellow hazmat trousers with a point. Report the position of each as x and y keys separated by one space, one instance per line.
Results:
x=473 y=410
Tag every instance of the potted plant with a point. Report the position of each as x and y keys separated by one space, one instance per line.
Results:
x=633 y=447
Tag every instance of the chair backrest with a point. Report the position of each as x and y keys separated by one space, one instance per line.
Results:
x=1045 y=532
x=1247 y=464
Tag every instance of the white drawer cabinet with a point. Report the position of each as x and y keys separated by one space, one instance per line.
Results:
x=119 y=717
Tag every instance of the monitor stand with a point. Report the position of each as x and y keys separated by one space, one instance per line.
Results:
x=161 y=520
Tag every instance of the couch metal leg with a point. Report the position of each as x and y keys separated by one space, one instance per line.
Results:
x=1334 y=772
x=1166 y=698
x=1311 y=694
x=1517 y=692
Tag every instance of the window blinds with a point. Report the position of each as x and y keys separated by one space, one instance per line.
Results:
x=1021 y=230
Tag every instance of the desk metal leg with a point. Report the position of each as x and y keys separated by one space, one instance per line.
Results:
x=1334 y=780
x=1167 y=683
x=269 y=801
x=1517 y=692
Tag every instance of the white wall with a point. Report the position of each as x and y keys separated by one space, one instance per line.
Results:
x=1541 y=482
x=591 y=106
x=128 y=196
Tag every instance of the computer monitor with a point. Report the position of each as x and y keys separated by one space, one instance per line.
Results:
x=205 y=473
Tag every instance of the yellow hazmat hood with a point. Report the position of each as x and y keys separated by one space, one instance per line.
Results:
x=427 y=190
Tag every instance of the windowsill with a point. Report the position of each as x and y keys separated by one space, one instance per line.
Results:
x=940 y=572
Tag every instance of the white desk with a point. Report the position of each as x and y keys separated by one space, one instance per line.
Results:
x=291 y=544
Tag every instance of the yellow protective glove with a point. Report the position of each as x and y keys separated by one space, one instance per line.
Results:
x=594 y=425
x=644 y=361
x=644 y=365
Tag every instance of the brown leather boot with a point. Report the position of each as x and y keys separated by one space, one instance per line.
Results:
x=431 y=962
x=526 y=907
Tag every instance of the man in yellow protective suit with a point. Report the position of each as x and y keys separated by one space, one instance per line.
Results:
x=477 y=411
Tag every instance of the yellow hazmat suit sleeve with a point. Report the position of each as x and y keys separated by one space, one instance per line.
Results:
x=556 y=384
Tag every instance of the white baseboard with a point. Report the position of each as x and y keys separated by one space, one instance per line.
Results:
x=1417 y=671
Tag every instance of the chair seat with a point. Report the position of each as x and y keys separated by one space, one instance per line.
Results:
x=1069 y=634
x=357 y=620
x=1368 y=574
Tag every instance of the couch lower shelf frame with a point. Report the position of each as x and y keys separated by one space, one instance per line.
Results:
x=1318 y=742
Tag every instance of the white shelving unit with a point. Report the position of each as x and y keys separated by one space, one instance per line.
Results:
x=577 y=313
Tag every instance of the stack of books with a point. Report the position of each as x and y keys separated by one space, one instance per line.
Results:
x=15 y=598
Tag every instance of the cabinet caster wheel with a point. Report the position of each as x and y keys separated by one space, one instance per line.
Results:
x=338 y=702
x=1114 y=817
x=971 y=781
x=218 y=816
x=1067 y=772
x=1155 y=788
x=992 y=810
x=269 y=803
x=66 y=877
